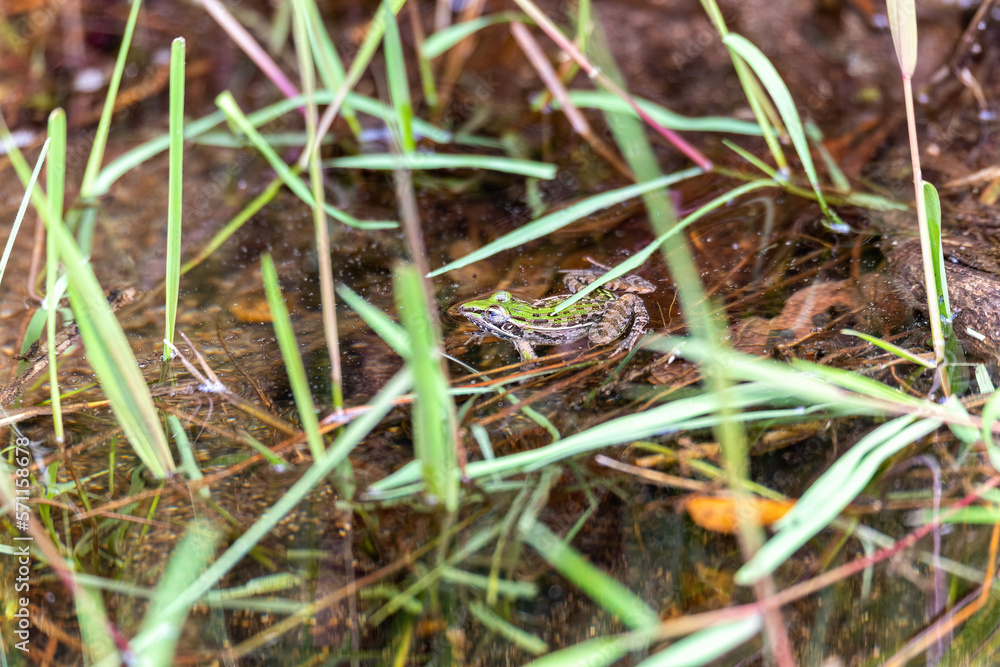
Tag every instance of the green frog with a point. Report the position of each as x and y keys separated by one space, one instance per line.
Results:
x=601 y=316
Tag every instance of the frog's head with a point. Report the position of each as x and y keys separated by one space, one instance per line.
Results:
x=493 y=315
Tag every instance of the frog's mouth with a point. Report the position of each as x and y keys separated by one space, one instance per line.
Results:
x=485 y=328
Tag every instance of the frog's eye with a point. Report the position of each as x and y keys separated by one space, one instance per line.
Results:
x=502 y=297
x=496 y=316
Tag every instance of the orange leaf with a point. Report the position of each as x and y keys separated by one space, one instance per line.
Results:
x=720 y=514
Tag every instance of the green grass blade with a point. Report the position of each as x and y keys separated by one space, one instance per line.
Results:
x=290 y=355
x=231 y=227
x=607 y=592
x=98 y=644
x=604 y=101
x=321 y=228
x=175 y=192
x=104 y=125
x=890 y=348
x=189 y=463
x=399 y=85
x=358 y=66
x=495 y=623
x=330 y=67
x=706 y=646
x=550 y=223
x=110 y=355
x=56 y=181
x=675 y=416
x=764 y=167
x=434 y=421
x=143 y=152
x=769 y=76
x=133 y=158
x=813 y=382
x=991 y=412
x=29 y=189
x=156 y=643
x=227 y=103
x=448 y=37
x=932 y=204
x=832 y=492
x=388 y=161
x=837 y=177
x=391 y=333
x=599 y=652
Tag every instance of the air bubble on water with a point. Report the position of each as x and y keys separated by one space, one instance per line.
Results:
x=88 y=80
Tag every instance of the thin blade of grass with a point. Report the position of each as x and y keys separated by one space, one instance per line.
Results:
x=832 y=492
x=330 y=68
x=606 y=591
x=813 y=382
x=29 y=189
x=764 y=167
x=669 y=418
x=249 y=46
x=890 y=348
x=495 y=623
x=290 y=356
x=605 y=101
x=932 y=205
x=550 y=223
x=56 y=186
x=597 y=652
x=98 y=644
x=361 y=61
x=136 y=156
x=100 y=140
x=111 y=357
x=156 y=643
x=448 y=37
x=434 y=410
x=761 y=107
x=706 y=646
x=837 y=176
x=227 y=103
x=387 y=161
x=390 y=332
x=873 y=202
x=321 y=229
x=554 y=33
x=991 y=412
x=769 y=76
x=231 y=227
x=175 y=193
x=399 y=85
